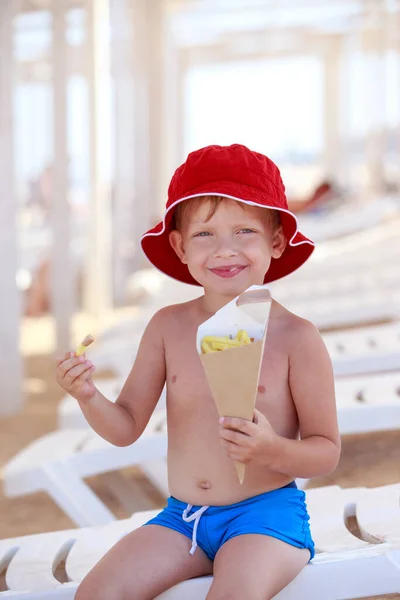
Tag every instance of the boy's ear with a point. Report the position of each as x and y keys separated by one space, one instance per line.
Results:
x=279 y=242
x=176 y=241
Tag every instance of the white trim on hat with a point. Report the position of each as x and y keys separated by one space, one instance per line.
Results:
x=249 y=202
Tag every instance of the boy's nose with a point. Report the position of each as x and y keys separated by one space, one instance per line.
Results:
x=225 y=249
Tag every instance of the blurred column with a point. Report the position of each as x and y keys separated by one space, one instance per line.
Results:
x=62 y=279
x=332 y=106
x=393 y=43
x=337 y=108
x=137 y=68
x=11 y=376
x=373 y=45
x=397 y=49
x=122 y=69
x=155 y=44
x=98 y=279
x=173 y=124
x=148 y=36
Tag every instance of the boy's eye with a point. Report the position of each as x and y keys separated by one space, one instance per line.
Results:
x=247 y=230
x=202 y=234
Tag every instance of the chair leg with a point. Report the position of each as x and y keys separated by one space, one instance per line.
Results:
x=74 y=496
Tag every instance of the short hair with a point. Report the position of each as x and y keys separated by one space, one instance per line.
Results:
x=186 y=208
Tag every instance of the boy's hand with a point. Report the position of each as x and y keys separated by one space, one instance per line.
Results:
x=245 y=441
x=74 y=375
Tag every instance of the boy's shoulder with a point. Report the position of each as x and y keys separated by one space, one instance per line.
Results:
x=293 y=326
x=172 y=312
x=300 y=338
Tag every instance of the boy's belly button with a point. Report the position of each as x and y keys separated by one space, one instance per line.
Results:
x=204 y=485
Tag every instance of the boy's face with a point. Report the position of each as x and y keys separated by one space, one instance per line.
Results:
x=232 y=250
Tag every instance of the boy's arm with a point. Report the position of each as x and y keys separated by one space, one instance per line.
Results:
x=145 y=382
x=122 y=423
x=312 y=389
x=312 y=386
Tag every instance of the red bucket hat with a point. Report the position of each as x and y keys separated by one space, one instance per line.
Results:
x=237 y=173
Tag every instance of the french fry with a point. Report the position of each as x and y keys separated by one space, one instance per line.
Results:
x=84 y=345
x=206 y=347
x=223 y=345
x=243 y=337
x=215 y=343
x=222 y=340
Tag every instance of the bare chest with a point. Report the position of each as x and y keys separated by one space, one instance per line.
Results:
x=189 y=394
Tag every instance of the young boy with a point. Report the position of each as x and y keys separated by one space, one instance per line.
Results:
x=226 y=227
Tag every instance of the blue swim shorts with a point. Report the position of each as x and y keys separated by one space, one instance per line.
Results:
x=280 y=513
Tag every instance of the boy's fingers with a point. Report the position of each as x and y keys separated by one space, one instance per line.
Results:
x=68 y=364
x=67 y=356
x=234 y=452
x=258 y=417
x=74 y=373
x=232 y=437
x=236 y=424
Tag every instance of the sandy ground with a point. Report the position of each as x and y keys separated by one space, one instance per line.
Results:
x=367 y=460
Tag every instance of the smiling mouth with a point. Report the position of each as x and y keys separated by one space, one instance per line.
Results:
x=228 y=272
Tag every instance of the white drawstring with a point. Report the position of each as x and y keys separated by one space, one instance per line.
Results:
x=196 y=518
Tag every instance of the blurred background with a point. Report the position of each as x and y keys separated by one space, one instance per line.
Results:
x=101 y=100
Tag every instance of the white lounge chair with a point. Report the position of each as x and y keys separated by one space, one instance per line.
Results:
x=373 y=307
x=364 y=340
x=59 y=461
x=345 y=566
x=368 y=403
x=352 y=280
x=365 y=350
x=365 y=404
x=349 y=218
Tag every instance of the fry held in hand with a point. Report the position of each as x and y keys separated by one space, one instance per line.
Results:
x=84 y=345
x=214 y=343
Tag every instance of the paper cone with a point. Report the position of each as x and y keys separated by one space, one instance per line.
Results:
x=233 y=374
x=233 y=379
